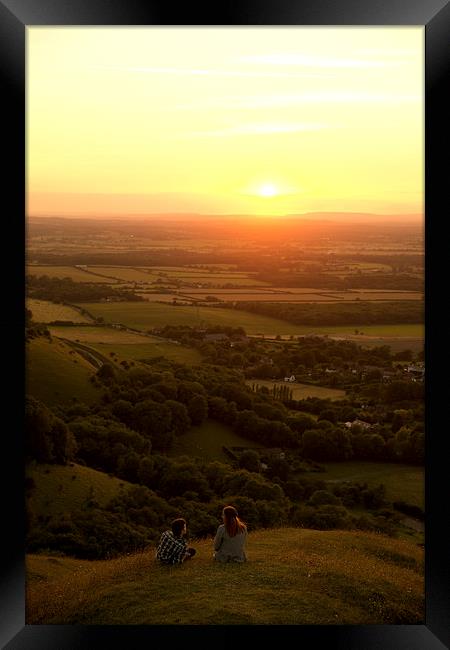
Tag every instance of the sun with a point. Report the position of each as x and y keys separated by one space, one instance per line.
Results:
x=268 y=189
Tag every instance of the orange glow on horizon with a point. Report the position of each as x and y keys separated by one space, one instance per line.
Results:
x=245 y=120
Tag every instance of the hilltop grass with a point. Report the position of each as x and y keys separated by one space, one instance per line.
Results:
x=56 y=374
x=64 y=488
x=402 y=482
x=293 y=577
x=205 y=442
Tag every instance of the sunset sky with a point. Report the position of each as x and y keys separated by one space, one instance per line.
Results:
x=225 y=120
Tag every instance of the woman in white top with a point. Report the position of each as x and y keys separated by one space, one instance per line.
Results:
x=230 y=538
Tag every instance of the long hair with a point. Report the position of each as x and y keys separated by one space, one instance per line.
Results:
x=233 y=525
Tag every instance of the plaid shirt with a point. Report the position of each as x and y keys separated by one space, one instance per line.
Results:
x=171 y=549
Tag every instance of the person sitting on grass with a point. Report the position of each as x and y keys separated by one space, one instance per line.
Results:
x=172 y=547
x=230 y=538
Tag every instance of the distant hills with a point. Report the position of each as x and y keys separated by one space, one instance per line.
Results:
x=317 y=217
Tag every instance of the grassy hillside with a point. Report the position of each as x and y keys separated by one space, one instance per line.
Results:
x=64 y=488
x=128 y=346
x=45 y=311
x=205 y=442
x=292 y=577
x=66 y=374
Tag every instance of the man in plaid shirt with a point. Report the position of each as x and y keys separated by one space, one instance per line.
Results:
x=172 y=547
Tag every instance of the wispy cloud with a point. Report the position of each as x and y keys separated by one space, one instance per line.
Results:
x=291 y=59
x=260 y=129
x=299 y=99
x=206 y=72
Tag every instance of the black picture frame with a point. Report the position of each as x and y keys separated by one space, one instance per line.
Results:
x=15 y=16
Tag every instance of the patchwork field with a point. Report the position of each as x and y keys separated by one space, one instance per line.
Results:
x=66 y=373
x=205 y=442
x=144 y=316
x=301 y=391
x=75 y=274
x=148 y=315
x=162 y=297
x=63 y=488
x=263 y=297
x=127 y=345
x=124 y=273
x=403 y=482
x=294 y=294
x=45 y=312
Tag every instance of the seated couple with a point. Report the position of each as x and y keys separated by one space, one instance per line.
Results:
x=229 y=542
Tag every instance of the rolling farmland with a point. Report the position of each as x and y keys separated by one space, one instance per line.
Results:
x=46 y=312
x=144 y=316
x=72 y=272
x=127 y=346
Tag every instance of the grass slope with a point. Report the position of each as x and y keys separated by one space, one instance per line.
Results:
x=128 y=346
x=55 y=373
x=59 y=488
x=293 y=577
x=205 y=442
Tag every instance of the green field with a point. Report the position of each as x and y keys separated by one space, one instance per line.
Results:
x=144 y=316
x=403 y=482
x=128 y=346
x=55 y=376
x=205 y=442
x=136 y=352
x=77 y=275
x=124 y=273
x=45 y=312
x=301 y=391
x=293 y=576
x=64 y=488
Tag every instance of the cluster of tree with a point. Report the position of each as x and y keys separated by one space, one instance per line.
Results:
x=154 y=257
x=47 y=437
x=142 y=410
x=194 y=335
x=319 y=280
x=135 y=517
x=32 y=329
x=262 y=417
x=66 y=290
x=343 y=313
x=309 y=358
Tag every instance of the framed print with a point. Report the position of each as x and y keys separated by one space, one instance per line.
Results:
x=229 y=130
